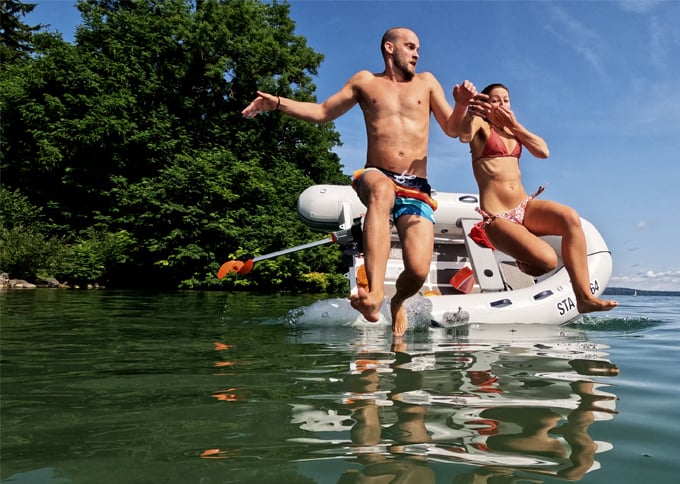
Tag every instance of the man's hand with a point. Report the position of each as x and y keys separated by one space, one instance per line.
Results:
x=464 y=93
x=263 y=102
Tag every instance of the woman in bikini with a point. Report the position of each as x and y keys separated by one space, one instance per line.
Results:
x=514 y=220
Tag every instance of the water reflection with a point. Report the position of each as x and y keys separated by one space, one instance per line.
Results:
x=368 y=433
x=117 y=386
x=504 y=407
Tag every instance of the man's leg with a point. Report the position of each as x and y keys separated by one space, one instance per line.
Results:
x=417 y=243
x=376 y=191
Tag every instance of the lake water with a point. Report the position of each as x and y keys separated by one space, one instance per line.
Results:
x=206 y=387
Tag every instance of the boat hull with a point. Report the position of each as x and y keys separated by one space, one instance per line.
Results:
x=549 y=299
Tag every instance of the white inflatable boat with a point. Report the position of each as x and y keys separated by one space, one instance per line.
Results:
x=499 y=293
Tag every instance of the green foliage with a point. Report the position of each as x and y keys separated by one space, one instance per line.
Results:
x=15 y=36
x=316 y=282
x=25 y=253
x=93 y=257
x=16 y=210
x=132 y=138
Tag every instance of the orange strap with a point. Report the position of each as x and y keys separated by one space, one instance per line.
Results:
x=399 y=190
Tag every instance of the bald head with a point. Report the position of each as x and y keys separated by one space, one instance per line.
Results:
x=392 y=35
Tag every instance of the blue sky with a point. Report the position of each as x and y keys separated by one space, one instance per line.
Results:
x=598 y=80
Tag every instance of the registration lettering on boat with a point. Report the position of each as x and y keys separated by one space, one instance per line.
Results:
x=565 y=305
x=594 y=287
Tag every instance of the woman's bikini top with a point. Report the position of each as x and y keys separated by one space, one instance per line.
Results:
x=495 y=147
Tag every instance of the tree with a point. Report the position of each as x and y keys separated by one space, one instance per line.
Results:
x=136 y=127
x=15 y=36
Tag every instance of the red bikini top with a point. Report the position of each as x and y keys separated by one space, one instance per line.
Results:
x=495 y=147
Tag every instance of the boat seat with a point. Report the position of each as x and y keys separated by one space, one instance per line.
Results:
x=513 y=277
x=483 y=260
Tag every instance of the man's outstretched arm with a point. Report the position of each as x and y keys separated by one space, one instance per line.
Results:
x=330 y=109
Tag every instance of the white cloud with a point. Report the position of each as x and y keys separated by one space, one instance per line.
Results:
x=648 y=108
x=638 y=6
x=649 y=280
x=663 y=275
x=577 y=36
x=657 y=51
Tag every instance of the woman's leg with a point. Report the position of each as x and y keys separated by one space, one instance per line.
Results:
x=545 y=217
x=534 y=256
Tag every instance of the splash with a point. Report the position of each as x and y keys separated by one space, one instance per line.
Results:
x=419 y=312
x=329 y=312
x=613 y=324
x=339 y=312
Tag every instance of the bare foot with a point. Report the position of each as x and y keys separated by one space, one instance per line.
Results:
x=594 y=367
x=399 y=318
x=595 y=304
x=364 y=302
x=398 y=344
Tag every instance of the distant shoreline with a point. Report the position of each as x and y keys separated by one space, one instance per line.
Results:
x=624 y=291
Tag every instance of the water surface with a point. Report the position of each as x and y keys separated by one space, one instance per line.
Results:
x=138 y=387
